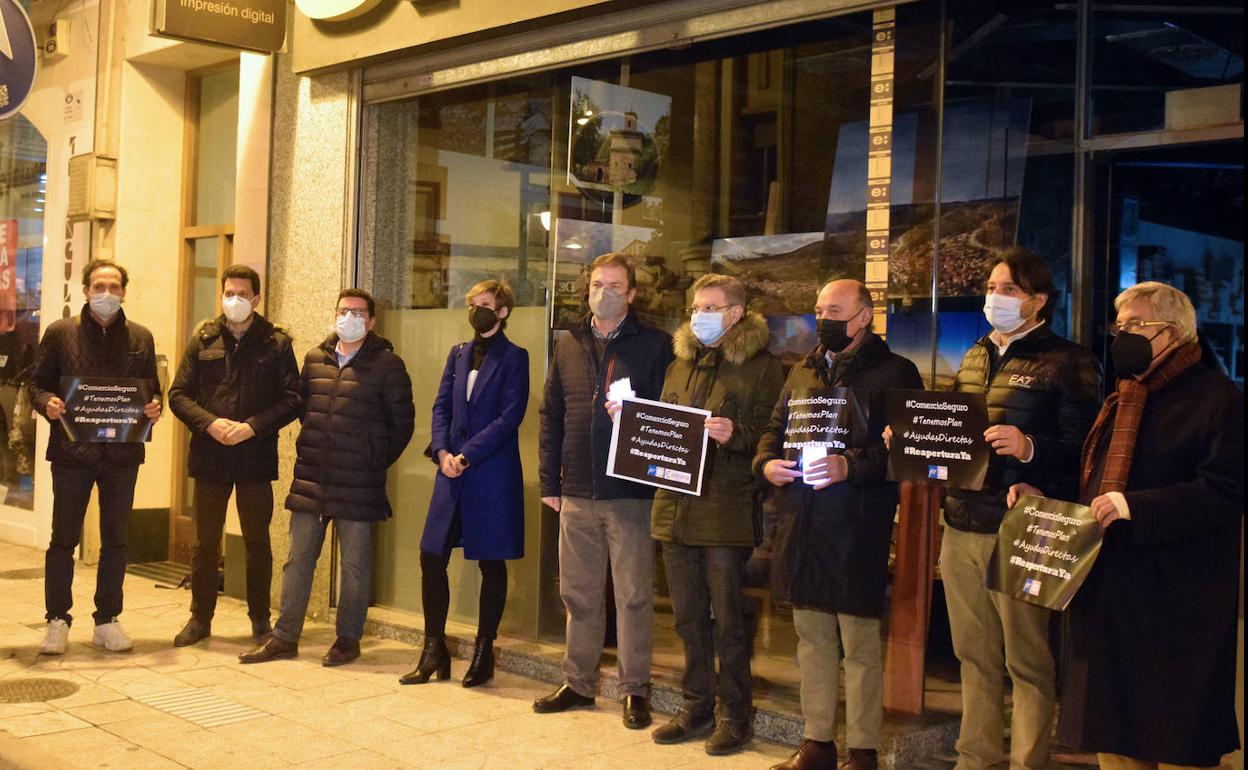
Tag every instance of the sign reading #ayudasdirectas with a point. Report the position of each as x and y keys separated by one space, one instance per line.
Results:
x=662 y=445
x=251 y=25
x=1044 y=551
x=106 y=409
x=938 y=436
x=828 y=419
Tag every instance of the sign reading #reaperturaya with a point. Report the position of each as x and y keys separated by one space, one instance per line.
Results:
x=938 y=436
x=106 y=409
x=659 y=444
x=1044 y=551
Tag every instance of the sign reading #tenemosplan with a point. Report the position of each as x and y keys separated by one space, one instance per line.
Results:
x=335 y=10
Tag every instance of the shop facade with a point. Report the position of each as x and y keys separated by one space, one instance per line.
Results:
x=419 y=150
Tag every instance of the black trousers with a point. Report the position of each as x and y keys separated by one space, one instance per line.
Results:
x=71 y=491
x=435 y=589
x=707 y=587
x=255 y=511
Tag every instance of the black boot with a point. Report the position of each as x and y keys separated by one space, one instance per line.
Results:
x=481 y=669
x=434 y=658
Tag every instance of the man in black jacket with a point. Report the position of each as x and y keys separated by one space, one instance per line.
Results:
x=99 y=342
x=832 y=538
x=237 y=386
x=601 y=517
x=357 y=419
x=1043 y=393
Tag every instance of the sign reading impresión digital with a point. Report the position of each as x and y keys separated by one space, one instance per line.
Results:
x=251 y=25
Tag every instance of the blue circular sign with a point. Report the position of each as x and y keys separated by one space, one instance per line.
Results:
x=18 y=57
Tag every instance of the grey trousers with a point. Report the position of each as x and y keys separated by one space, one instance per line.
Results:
x=593 y=534
x=994 y=633
x=820 y=637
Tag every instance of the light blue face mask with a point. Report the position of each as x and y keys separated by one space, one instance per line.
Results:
x=707 y=327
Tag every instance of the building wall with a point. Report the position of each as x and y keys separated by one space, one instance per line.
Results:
x=308 y=254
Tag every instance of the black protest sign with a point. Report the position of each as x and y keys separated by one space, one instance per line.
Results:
x=828 y=419
x=938 y=437
x=661 y=445
x=106 y=409
x=1045 y=549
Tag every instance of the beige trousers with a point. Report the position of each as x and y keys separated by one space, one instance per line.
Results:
x=819 y=639
x=993 y=633
x=1119 y=762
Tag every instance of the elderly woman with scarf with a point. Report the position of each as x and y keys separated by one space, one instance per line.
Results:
x=1149 y=677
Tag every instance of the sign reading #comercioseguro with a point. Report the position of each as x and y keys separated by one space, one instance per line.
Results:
x=250 y=25
x=17 y=57
x=1045 y=549
x=658 y=444
x=106 y=409
x=938 y=437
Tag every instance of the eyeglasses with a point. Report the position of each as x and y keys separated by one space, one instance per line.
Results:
x=358 y=312
x=1134 y=326
x=707 y=309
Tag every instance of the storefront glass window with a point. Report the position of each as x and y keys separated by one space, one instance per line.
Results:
x=23 y=185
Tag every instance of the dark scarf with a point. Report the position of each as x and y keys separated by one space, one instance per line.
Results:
x=1119 y=422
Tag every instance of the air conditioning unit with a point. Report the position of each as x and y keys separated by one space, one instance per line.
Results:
x=92 y=188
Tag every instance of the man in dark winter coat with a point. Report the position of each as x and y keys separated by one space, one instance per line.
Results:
x=722 y=365
x=357 y=419
x=1149 y=676
x=237 y=386
x=832 y=539
x=1042 y=394
x=601 y=518
x=99 y=342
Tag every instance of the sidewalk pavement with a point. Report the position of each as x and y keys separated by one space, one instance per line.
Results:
x=308 y=716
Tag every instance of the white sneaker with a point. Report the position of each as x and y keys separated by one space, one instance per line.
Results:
x=56 y=638
x=111 y=637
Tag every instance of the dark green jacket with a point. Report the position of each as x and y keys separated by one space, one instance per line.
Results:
x=739 y=380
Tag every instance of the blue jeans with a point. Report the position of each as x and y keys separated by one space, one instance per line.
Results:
x=355 y=564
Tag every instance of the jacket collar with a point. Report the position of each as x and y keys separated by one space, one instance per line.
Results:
x=629 y=326
x=1040 y=335
x=745 y=339
x=373 y=344
x=864 y=356
x=89 y=321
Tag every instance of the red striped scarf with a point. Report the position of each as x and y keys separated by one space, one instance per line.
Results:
x=1119 y=419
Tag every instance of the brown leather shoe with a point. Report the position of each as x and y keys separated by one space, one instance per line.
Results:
x=344 y=650
x=811 y=755
x=861 y=759
x=272 y=649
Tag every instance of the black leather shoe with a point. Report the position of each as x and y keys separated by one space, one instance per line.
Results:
x=272 y=649
x=194 y=630
x=811 y=755
x=344 y=650
x=636 y=712
x=481 y=669
x=434 y=659
x=682 y=728
x=729 y=738
x=260 y=630
x=561 y=700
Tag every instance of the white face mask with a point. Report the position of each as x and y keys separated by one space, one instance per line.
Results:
x=350 y=329
x=105 y=304
x=1004 y=313
x=236 y=309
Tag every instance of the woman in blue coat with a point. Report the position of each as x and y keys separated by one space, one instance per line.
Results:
x=478 y=496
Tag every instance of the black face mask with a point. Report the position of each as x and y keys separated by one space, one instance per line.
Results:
x=482 y=318
x=1132 y=354
x=833 y=334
